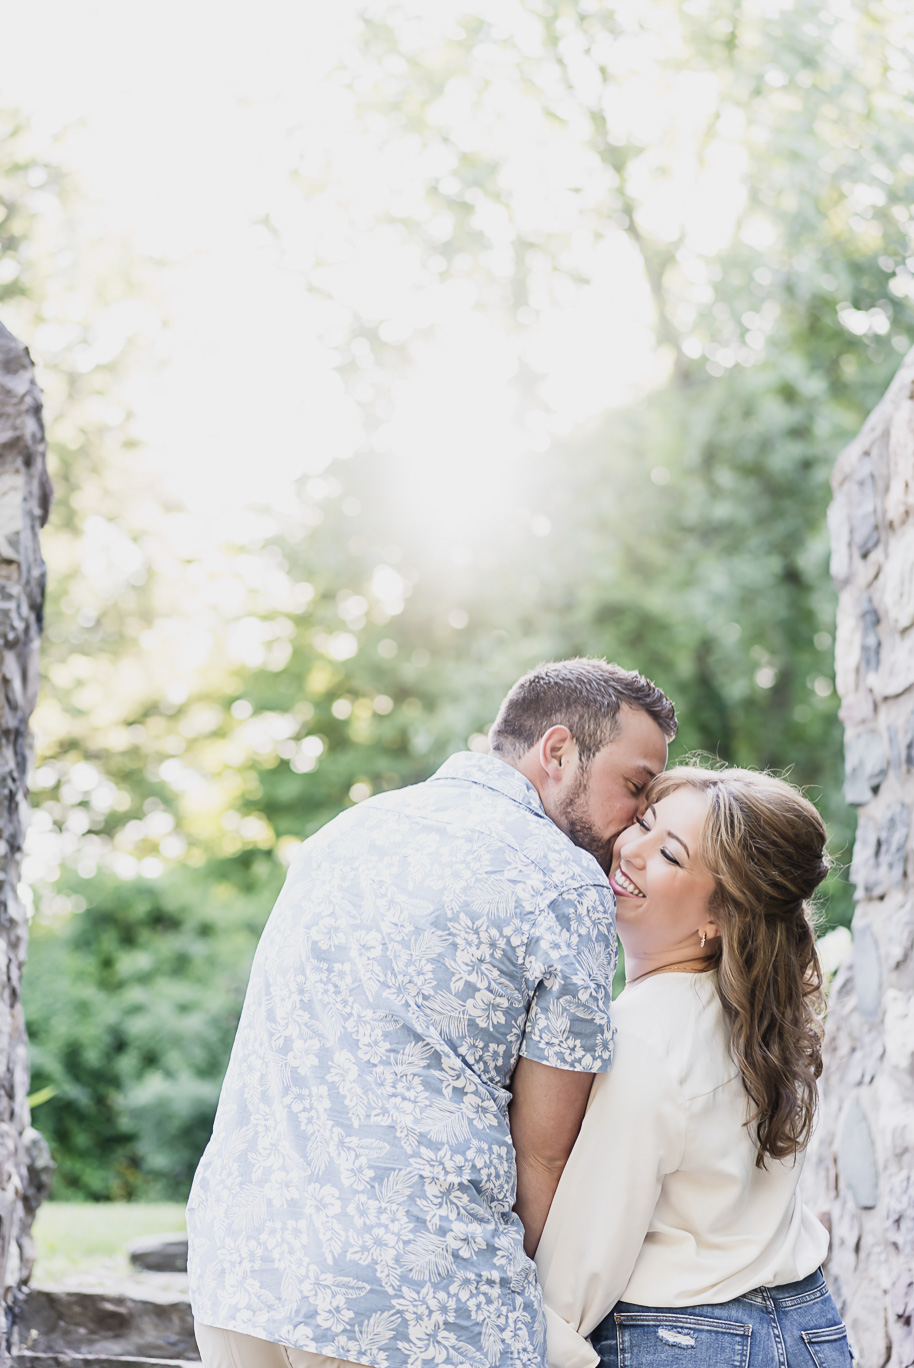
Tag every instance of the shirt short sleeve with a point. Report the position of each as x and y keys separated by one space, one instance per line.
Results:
x=569 y=967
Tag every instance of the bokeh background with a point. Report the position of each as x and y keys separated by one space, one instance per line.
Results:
x=389 y=348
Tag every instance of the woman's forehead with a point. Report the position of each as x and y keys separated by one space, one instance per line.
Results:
x=685 y=801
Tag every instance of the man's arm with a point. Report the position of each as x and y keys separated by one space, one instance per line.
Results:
x=546 y=1112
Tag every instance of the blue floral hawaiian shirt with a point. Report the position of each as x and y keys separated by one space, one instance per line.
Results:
x=355 y=1198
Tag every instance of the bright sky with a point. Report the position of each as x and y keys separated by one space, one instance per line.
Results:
x=183 y=112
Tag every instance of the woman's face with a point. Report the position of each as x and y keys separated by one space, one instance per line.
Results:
x=663 y=891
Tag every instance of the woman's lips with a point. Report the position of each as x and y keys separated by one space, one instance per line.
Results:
x=621 y=883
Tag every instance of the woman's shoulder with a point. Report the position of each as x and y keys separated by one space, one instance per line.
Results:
x=678 y=1017
x=668 y=1001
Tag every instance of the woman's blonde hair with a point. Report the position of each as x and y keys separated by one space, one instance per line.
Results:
x=764 y=844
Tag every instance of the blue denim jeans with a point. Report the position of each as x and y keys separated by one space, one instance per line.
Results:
x=793 y=1326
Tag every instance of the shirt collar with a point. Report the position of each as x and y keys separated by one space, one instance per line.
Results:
x=494 y=774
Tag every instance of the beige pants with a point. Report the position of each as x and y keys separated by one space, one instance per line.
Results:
x=231 y=1349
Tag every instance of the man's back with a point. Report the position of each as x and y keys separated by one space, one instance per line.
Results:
x=356 y=1197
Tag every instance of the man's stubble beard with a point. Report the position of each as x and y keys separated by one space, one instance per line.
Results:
x=573 y=818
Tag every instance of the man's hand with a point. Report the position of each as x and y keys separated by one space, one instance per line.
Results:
x=546 y=1112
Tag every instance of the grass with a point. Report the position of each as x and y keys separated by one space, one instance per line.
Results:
x=87 y=1239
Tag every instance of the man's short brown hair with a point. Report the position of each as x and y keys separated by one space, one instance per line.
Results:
x=583 y=695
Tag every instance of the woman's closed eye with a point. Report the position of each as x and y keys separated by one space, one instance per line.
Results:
x=667 y=854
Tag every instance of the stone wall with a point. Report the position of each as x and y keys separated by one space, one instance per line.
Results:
x=24 y=501
x=863 y=1159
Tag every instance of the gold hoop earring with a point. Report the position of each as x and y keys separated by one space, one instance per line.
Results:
x=704 y=937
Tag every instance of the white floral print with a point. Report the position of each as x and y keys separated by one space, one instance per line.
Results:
x=355 y=1198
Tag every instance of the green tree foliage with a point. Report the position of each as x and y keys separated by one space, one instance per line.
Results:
x=204 y=715
x=134 y=1008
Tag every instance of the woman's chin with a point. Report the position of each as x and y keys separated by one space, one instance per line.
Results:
x=628 y=906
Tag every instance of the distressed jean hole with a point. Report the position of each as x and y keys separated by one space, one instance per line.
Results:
x=678 y=1337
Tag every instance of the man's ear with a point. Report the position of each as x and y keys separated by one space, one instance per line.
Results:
x=556 y=751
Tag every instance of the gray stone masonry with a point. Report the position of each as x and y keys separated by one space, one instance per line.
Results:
x=97 y=1325
x=160 y=1253
x=861 y=1169
x=25 y=495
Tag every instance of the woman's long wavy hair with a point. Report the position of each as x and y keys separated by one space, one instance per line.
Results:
x=764 y=844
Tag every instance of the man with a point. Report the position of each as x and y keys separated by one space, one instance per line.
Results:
x=359 y=1198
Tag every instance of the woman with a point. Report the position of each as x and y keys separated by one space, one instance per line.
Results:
x=677 y=1235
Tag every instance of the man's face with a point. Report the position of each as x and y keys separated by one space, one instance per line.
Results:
x=606 y=798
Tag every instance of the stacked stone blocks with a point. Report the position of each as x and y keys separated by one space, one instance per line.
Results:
x=864 y=1155
x=24 y=501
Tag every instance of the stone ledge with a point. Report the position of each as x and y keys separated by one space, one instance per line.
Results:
x=28 y=1358
x=160 y=1253
x=84 y=1325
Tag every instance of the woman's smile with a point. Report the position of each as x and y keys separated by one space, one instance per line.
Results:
x=622 y=884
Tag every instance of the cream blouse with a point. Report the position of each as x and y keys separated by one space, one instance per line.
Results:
x=661 y=1203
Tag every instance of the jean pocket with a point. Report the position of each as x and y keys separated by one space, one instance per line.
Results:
x=829 y=1347
x=649 y=1340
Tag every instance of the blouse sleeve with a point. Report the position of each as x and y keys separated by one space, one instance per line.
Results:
x=633 y=1134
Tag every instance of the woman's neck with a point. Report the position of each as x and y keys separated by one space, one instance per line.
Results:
x=637 y=969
